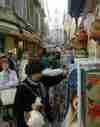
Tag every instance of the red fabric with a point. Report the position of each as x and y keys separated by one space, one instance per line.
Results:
x=93 y=79
x=95 y=34
x=83 y=36
x=94 y=111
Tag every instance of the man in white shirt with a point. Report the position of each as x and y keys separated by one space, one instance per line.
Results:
x=8 y=77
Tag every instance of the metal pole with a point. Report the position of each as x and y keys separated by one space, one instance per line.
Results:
x=79 y=94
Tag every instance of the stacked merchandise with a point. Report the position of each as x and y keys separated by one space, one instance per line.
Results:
x=95 y=30
x=79 y=43
x=95 y=35
x=92 y=25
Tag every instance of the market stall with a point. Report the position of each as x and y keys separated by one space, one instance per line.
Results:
x=88 y=92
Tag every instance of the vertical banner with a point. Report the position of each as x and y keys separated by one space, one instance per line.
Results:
x=90 y=94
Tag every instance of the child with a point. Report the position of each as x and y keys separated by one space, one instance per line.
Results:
x=35 y=117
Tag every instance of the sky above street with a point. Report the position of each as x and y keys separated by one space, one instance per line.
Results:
x=60 y=5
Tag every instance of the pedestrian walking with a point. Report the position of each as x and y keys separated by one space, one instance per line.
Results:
x=35 y=85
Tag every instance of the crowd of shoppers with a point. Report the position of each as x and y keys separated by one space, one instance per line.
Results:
x=42 y=87
x=35 y=85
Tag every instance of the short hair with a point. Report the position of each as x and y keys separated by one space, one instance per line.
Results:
x=33 y=68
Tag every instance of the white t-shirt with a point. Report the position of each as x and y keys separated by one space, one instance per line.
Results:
x=36 y=119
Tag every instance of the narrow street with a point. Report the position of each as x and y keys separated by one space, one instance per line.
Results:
x=49 y=63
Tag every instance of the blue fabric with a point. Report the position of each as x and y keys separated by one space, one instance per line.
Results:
x=66 y=101
x=72 y=67
x=70 y=59
x=72 y=81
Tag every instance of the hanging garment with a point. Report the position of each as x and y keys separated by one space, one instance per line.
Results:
x=76 y=7
x=90 y=6
x=72 y=81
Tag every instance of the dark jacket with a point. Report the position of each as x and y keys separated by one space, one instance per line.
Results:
x=28 y=90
